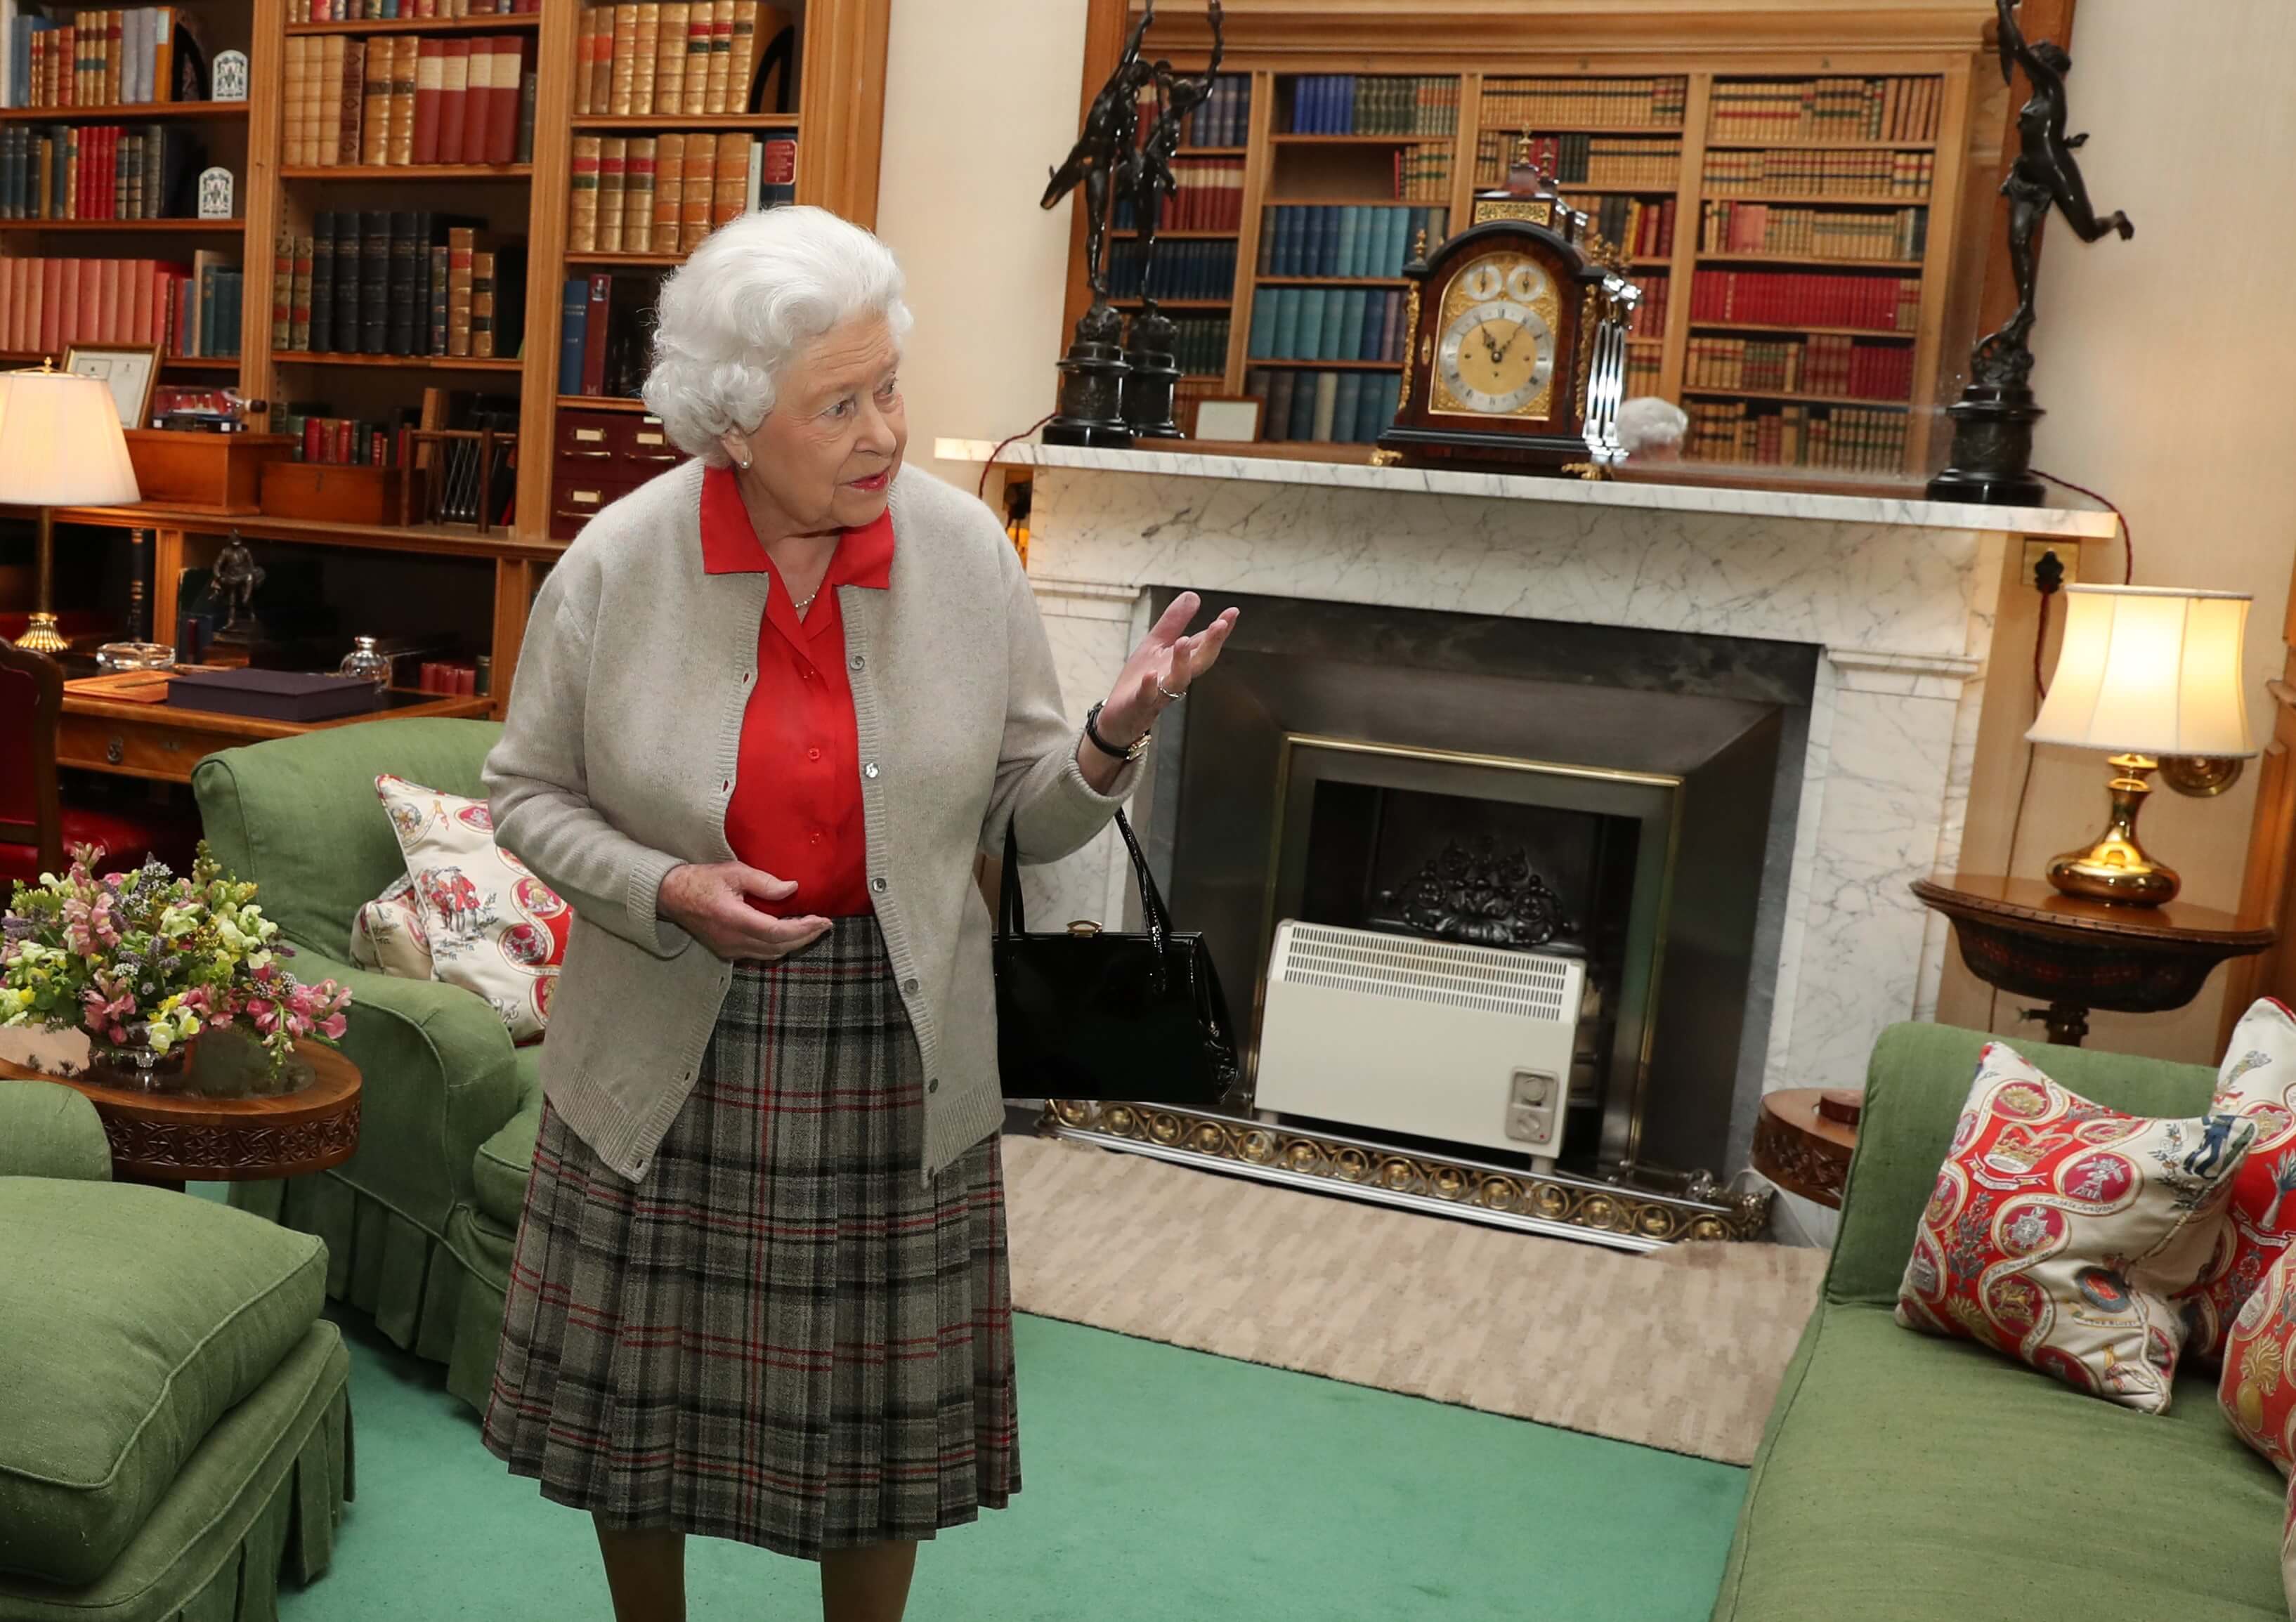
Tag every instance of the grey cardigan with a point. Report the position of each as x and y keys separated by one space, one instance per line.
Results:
x=617 y=763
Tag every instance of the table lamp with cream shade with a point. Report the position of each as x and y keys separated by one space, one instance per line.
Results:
x=59 y=445
x=2148 y=673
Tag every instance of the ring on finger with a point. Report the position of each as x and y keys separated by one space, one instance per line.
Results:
x=1169 y=695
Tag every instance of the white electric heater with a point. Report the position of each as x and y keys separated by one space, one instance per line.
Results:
x=1470 y=1044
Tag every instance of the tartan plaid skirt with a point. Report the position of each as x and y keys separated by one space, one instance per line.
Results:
x=781 y=1335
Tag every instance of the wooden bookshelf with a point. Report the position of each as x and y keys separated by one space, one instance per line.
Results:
x=836 y=113
x=1935 y=52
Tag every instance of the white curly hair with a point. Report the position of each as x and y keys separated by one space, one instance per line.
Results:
x=745 y=304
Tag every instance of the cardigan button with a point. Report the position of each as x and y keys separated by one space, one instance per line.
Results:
x=858 y=662
x=933 y=1085
x=870 y=771
x=881 y=885
x=910 y=986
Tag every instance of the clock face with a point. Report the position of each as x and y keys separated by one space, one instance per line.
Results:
x=1495 y=355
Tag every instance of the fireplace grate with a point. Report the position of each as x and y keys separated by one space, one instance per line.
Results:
x=1523 y=984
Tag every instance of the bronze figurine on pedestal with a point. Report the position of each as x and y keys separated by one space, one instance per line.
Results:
x=1992 y=420
x=1147 y=180
x=1092 y=374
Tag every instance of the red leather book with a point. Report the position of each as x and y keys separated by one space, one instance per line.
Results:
x=478 y=99
x=502 y=99
x=593 y=335
x=346 y=431
x=428 y=67
x=135 y=302
x=454 y=97
x=313 y=431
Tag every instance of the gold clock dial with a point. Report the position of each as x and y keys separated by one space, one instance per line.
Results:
x=1496 y=357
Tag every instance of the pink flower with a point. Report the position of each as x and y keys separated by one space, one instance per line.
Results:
x=332 y=1027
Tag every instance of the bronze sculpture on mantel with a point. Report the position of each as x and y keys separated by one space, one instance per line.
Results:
x=1147 y=179
x=1092 y=372
x=1992 y=420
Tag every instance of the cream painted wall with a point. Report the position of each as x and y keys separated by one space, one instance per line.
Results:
x=2164 y=363
x=2164 y=360
x=981 y=99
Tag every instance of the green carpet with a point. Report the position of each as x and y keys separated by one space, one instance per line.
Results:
x=1159 y=1484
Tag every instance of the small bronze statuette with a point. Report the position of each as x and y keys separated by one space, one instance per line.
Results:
x=235 y=576
x=1147 y=181
x=1992 y=420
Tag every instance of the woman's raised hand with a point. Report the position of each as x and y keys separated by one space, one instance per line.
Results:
x=711 y=902
x=1162 y=668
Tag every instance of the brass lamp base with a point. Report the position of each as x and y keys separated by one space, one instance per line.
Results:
x=2116 y=868
x=41 y=635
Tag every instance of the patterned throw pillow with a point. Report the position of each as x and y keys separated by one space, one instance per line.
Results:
x=494 y=928
x=2258 y=1389
x=387 y=936
x=2258 y=1082
x=2058 y=1230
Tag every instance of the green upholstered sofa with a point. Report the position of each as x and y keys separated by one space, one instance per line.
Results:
x=420 y=1221
x=174 y=1415
x=1906 y=1477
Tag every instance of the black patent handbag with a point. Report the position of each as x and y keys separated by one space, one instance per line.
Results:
x=1094 y=1013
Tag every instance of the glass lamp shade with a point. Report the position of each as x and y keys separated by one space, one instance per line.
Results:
x=60 y=442
x=2148 y=670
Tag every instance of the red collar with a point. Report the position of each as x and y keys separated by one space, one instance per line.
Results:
x=729 y=545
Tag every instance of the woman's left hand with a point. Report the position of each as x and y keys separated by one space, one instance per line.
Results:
x=1162 y=668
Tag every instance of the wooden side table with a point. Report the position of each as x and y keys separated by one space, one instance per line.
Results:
x=172 y=1138
x=2022 y=936
x=1804 y=1137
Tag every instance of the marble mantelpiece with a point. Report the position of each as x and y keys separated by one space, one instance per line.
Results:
x=1899 y=594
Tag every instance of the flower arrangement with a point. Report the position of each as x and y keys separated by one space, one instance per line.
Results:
x=146 y=961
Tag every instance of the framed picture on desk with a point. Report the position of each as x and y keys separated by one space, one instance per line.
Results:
x=129 y=370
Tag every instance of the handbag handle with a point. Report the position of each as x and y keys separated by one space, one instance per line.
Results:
x=1012 y=919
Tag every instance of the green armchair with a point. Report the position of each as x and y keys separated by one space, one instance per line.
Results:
x=419 y=1223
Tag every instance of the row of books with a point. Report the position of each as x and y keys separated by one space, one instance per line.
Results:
x=1334 y=408
x=1188 y=269
x=664 y=194
x=674 y=59
x=1642 y=371
x=1576 y=103
x=394 y=10
x=1642 y=227
x=1582 y=159
x=93 y=58
x=1209 y=197
x=459 y=676
x=1822 y=174
x=381 y=281
x=1824 y=363
x=1327 y=324
x=187 y=310
x=1818 y=299
x=1822 y=233
x=605 y=329
x=1201 y=347
x=1365 y=104
x=1826 y=110
x=1343 y=239
x=98 y=171
x=356 y=442
x=1649 y=319
x=1225 y=120
x=1851 y=438
x=408 y=99
x=1423 y=172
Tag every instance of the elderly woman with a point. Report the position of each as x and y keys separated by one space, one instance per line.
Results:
x=768 y=709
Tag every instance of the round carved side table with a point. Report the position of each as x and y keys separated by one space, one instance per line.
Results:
x=226 y=1130
x=1803 y=1139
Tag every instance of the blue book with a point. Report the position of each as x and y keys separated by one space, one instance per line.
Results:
x=1261 y=345
x=573 y=307
x=1333 y=315
x=1351 y=224
x=1344 y=118
x=1376 y=409
x=1310 y=300
x=1348 y=408
x=1370 y=343
x=1324 y=260
x=1303 y=104
x=1286 y=260
x=1287 y=324
x=1303 y=408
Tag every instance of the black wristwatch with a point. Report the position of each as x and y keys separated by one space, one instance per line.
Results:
x=1092 y=733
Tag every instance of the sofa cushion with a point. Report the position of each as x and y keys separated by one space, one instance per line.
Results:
x=499 y=1172
x=388 y=935
x=2059 y=1230
x=2258 y=1388
x=2258 y=1082
x=137 y=1320
x=1907 y=1477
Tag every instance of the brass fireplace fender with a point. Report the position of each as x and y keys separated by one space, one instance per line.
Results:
x=1553 y=1203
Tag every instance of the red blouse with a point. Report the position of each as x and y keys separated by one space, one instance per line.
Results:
x=796 y=807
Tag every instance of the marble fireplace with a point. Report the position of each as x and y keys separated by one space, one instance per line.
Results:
x=1803 y=673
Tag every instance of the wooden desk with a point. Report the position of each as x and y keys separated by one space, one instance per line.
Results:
x=2022 y=936
x=159 y=742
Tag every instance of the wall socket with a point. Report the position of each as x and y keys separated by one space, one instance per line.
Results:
x=2068 y=554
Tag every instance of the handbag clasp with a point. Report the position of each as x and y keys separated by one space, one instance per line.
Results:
x=1084 y=928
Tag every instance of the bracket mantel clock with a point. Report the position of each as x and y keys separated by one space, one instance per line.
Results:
x=1518 y=339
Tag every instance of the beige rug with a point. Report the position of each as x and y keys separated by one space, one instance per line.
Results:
x=1682 y=1349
